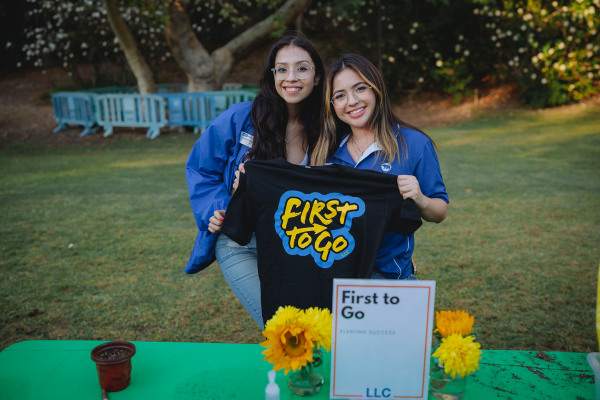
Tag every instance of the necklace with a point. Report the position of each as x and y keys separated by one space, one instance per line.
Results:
x=357 y=149
x=288 y=142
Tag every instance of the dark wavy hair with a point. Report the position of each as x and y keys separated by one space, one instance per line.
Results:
x=269 y=111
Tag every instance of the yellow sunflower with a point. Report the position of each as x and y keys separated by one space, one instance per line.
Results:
x=321 y=321
x=292 y=335
x=283 y=316
x=451 y=322
x=459 y=355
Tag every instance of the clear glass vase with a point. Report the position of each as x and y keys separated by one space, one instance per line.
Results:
x=308 y=380
x=443 y=387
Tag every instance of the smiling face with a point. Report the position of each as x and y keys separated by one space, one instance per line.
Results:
x=292 y=89
x=356 y=112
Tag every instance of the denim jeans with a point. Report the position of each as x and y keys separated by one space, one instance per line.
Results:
x=377 y=275
x=239 y=267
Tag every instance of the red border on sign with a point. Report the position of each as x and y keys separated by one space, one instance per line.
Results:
x=426 y=330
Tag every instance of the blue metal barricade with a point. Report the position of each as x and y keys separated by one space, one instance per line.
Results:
x=74 y=108
x=131 y=110
x=225 y=98
x=190 y=109
x=251 y=88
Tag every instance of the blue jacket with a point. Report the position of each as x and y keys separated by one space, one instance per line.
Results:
x=210 y=172
x=393 y=259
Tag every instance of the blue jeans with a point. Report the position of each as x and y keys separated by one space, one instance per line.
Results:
x=239 y=267
x=377 y=275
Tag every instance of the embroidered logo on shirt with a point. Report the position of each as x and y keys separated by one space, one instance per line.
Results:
x=386 y=167
x=317 y=224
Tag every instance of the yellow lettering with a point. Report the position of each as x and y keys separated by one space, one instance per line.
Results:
x=324 y=250
x=304 y=212
x=289 y=205
x=304 y=240
x=339 y=244
x=292 y=235
x=345 y=209
x=317 y=207
x=333 y=211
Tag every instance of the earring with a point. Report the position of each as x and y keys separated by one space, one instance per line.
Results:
x=316 y=82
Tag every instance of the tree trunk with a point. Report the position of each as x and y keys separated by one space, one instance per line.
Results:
x=207 y=72
x=187 y=50
x=136 y=61
x=299 y=22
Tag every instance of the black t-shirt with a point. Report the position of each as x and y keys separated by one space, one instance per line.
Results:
x=314 y=224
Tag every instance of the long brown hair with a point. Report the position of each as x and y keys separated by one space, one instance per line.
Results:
x=269 y=111
x=383 y=122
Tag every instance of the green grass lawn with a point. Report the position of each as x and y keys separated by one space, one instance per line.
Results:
x=519 y=248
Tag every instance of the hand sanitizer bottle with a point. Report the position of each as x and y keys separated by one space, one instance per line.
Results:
x=272 y=390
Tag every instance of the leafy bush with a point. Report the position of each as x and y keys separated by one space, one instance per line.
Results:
x=547 y=47
x=62 y=33
x=550 y=48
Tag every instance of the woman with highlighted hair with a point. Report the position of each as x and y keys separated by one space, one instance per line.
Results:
x=361 y=130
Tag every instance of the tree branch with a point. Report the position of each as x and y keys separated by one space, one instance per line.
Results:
x=243 y=44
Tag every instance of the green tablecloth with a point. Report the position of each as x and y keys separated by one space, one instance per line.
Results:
x=47 y=370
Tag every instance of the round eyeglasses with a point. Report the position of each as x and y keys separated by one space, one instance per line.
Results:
x=301 y=72
x=361 y=92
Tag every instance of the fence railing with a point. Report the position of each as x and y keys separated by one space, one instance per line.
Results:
x=124 y=107
x=190 y=109
x=130 y=110
x=74 y=108
x=223 y=99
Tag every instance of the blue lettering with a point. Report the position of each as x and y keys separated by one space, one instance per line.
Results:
x=384 y=393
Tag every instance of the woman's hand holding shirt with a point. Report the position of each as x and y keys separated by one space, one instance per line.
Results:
x=217 y=220
x=431 y=209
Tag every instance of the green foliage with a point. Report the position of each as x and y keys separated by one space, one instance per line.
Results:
x=65 y=33
x=554 y=50
x=550 y=49
x=280 y=27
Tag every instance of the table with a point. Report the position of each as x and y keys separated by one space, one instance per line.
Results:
x=49 y=369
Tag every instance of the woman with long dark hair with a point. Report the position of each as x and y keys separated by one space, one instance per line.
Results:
x=283 y=121
x=360 y=129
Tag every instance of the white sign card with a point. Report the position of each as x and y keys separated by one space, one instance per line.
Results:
x=381 y=341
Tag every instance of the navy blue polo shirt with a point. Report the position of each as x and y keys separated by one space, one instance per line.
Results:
x=393 y=259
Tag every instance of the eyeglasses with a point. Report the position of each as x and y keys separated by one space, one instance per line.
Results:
x=301 y=72
x=361 y=92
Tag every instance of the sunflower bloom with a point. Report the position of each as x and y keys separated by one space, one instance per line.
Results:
x=459 y=355
x=321 y=320
x=451 y=322
x=292 y=334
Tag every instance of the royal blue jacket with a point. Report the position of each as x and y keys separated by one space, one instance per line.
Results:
x=210 y=172
x=393 y=259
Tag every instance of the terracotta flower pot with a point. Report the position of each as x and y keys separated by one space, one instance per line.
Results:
x=115 y=374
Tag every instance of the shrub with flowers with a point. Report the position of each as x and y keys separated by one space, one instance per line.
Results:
x=65 y=33
x=458 y=353
x=293 y=334
x=550 y=48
